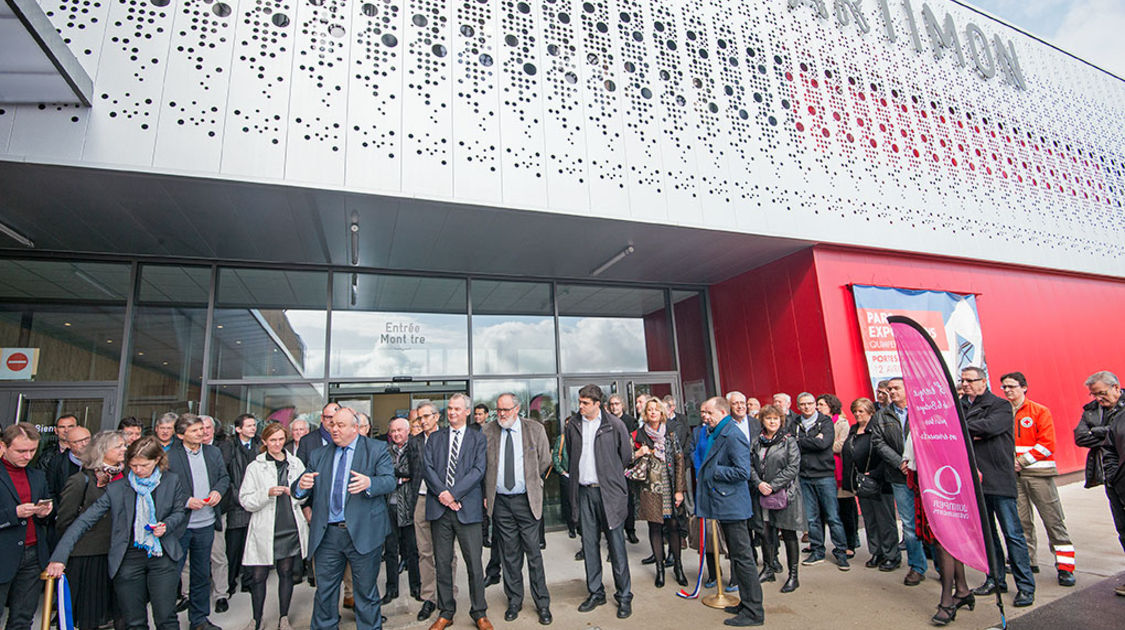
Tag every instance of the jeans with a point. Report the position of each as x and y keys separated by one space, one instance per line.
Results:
x=821 y=508
x=1003 y=510
x=904 y=502
x=197 y=544
x=21 y=594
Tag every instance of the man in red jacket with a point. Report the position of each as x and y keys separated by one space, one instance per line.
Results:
x=1036 y=472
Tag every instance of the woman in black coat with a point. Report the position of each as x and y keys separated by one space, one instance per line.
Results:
x=775 y=462
x=860 y=459
x=149 y=515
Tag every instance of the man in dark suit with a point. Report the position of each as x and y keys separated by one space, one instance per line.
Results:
x=322 y=437
x=24 y=509
x=723 y=494
x=349 y=520
x=599 y=448
x=616 y=406
x=204 y=473
x=454 y=465
x=238 y=451
x=518 y=456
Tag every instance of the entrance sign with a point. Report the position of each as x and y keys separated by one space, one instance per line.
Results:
x=947 y=473
x=18 y=364
x=950 y=319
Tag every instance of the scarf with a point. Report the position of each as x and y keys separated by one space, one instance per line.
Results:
x=768 y=442
x=657 y=437
x=145 y=516
x=710 y=434
x=106 y=474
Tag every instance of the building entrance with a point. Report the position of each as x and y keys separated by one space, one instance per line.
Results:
x=93 y=405
x=383 y=400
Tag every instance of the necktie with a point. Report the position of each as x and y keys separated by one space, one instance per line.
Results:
x=338 y=483
x=451 y=470
x=906 y=425
x=509 y=461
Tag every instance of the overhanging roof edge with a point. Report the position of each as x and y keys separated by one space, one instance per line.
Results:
x=39 y=26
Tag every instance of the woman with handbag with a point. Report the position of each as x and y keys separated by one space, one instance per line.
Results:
x=278 y=535
x=91 y=594
x=863 y=474
x=776 y=460
x=658 y=471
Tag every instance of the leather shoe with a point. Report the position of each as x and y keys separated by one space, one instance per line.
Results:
x=732 y=610
x=1066 y=578
x=206 y=625
x=989 y=587
x=913 y=578
x=591 y=602
x=581 y=555
x=492 y=579
x=1023 y=598
x=872 y=562
x=624 y=609
x=542 y=545
x=182 y=604
x=545 y=617
x=388 y=597
x=631 y=537
x=441 y=624
x=890 y=564
x=349 y=602
x=742 y=620
x=427 y=610
x=649 y=560
x=669 y=561
x=511 y=614
x=484 y=624
x=221 y=605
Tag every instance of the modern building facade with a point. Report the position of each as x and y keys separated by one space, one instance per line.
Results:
x=262 y=205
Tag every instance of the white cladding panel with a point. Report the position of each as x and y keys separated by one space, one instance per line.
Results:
x=819 y=119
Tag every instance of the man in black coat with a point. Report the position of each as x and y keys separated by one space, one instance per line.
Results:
x=992 y=429
x=598 y=450
x=205 y=475
x=616 y=406
x=24 y=509
x=890 y=426
x=238 y=451
x=1108 y=421
x=815 y=434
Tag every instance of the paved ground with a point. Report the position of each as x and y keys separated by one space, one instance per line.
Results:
x=860 y=598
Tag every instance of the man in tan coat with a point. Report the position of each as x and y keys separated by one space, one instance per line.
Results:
x=518 y=456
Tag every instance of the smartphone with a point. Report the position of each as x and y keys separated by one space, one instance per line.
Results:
x=44 y=502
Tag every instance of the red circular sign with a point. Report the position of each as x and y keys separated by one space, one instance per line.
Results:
x=17 y=362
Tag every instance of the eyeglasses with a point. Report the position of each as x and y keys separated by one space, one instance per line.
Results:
x=1101 y=394
x=971 y=380
x=1010 y=386
x=504 y=409
x=427 y=415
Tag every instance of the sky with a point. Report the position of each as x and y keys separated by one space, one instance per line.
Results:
x=1093 y=30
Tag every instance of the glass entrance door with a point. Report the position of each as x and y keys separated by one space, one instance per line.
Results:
x=93 y=406
x=383 y=400
x=629 y=387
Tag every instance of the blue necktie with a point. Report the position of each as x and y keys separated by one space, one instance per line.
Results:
x=338 y=482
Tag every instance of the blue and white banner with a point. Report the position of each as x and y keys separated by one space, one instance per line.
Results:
x=62 y=589
x=949 y=318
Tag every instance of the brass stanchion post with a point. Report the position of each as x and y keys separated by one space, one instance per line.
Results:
x=720 y=599
x=48 y=599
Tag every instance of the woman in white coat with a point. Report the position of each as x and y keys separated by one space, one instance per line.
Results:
x=278 y=534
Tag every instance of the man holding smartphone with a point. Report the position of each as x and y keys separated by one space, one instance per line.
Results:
x=23 y=531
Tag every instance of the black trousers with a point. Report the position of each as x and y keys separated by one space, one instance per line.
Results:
x=236 y=544
x=879 y=521
x=849 y=514
x=142 y=580
x=737 y=534
x=1117 y=509
x=445 y=530
x=564 y=503
x=591 y=518
x=400 y=544
x=631 y=512
x=518 y=531
x=21 y=595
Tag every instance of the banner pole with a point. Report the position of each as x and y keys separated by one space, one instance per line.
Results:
x=48 y=599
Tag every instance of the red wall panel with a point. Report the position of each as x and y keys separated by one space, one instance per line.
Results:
x=769 y=330
x=1056 y=328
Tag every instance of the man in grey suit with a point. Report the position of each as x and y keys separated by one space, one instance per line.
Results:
x=599 y=448
x=518 y=456
x=454 y=464
x=200 y=467
x=349 y=520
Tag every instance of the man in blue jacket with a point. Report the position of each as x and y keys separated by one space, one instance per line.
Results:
x=349 y=520
x=723 y=494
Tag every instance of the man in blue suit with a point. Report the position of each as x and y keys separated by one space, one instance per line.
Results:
x=349 y=520
x=723 y=494
x=454 y=467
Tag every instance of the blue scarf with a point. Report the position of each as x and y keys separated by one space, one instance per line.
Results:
x=703 y=446
x=145 y=513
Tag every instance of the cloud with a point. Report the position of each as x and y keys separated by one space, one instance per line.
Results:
x=1092 y=30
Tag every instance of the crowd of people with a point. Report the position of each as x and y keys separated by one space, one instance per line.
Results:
x=186 y=517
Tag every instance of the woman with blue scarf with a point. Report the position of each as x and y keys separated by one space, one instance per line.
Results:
x=147 y=508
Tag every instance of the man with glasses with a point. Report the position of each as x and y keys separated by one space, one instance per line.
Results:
x=518 y=456
x=599 y=448
x=890 y=427
x=1100 y=430
x=616 y=406
x=453 y=471
x=429 y=415
x=990 y=421
x=321 y=438
x=1035 y=467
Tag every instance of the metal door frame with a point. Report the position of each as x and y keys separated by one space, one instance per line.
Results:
x=15 y=394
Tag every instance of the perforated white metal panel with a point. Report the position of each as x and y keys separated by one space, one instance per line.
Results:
x=826 y=120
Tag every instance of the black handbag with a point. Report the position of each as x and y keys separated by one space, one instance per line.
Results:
x=866 y=487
